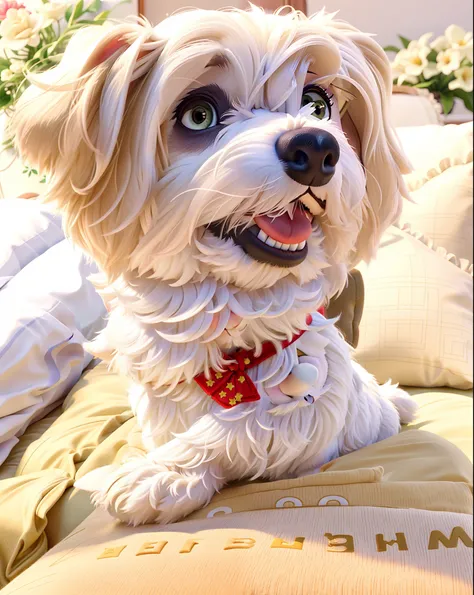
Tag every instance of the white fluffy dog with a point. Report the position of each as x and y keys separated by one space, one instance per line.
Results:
x=224 y=169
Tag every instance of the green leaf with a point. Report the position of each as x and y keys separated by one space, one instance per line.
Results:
x=68 y=13
x=77 y=11
x=4 y=98
x=391 y=48
x=89 y=22
x=465 y=97
x=425 y=84
x=102 y=15
x=447 y=101
x=4 y=63
x=431 y=57
x=444 y=80
x=94 y=6
x=404 y=40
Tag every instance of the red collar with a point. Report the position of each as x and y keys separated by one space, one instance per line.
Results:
x=233 y=386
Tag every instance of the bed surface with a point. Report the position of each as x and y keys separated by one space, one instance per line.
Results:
x=428 y=466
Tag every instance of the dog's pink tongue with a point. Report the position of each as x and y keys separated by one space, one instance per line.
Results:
x=284 y=229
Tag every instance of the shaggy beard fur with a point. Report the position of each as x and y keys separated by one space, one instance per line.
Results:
x=138 y=194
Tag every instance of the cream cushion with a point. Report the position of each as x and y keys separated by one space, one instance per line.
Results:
x=422 y=471
x=441 y=185
x=428 y=146
x=442 y=209
x=306 y=549
x=417 y=323
x=414 y=109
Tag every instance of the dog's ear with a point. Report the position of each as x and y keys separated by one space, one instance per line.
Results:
x=366 y=75
x=70 y=124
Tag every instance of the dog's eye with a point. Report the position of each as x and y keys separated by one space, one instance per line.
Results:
x=320 y=100
x=199 y=116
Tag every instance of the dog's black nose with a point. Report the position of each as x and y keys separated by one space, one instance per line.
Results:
x=309 y=155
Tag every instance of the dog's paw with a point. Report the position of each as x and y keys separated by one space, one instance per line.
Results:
x=406 y=406
x=142 y=491
x=129 y=492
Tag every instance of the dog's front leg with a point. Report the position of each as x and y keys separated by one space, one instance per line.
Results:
x=163 y=486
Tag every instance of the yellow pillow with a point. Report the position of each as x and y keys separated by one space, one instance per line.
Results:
x=446 y=413
x=334 y=532
x=95 y=408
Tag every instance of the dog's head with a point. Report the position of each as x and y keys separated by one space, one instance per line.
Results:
x=241 y=145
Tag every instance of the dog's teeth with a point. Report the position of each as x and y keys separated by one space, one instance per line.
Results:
x=293 y=247
x=262 y=236
x=301 y=245
x=285 y=246
x=270 y=241
x=278 y=244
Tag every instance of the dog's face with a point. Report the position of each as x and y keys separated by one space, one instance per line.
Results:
x=239 y=145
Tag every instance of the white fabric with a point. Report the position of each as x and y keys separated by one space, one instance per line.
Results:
x=427 y=146
x=416 y=328
x=414 y=110
x=47 y=310
x=6 y=448
x=27 y=229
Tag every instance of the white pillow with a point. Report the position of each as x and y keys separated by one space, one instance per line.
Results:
x=441 y=185
x=416 y=327
x=407 y=109
x=429 y=146
x=47 y=311
x=443 y=209
x=27 y=229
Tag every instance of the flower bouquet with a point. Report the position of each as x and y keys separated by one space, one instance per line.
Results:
x=443 y=66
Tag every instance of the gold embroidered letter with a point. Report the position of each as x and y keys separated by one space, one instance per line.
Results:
x=151 y=547
x=240 y=543
x=340 y=543
x=458 y=533
x=400 y=541
x=112 y=552
x=188 y=546
x=296 y=545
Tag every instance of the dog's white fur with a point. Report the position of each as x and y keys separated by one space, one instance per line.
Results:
x=139 y=201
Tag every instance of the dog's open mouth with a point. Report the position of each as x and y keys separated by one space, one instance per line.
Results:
x=279 y=241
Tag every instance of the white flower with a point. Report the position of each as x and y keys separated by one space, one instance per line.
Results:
x=440 y=43
x=420 y=43
x=17 y=66
x=412 y=62
x=6 y=75
x=407 y=78
x=398 y=72
x=448 y=61
x=463 y=79
x=51 y=12
x=19 y=29
x=460 y=40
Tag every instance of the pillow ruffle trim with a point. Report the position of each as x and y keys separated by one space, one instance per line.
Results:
x=461 y=263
